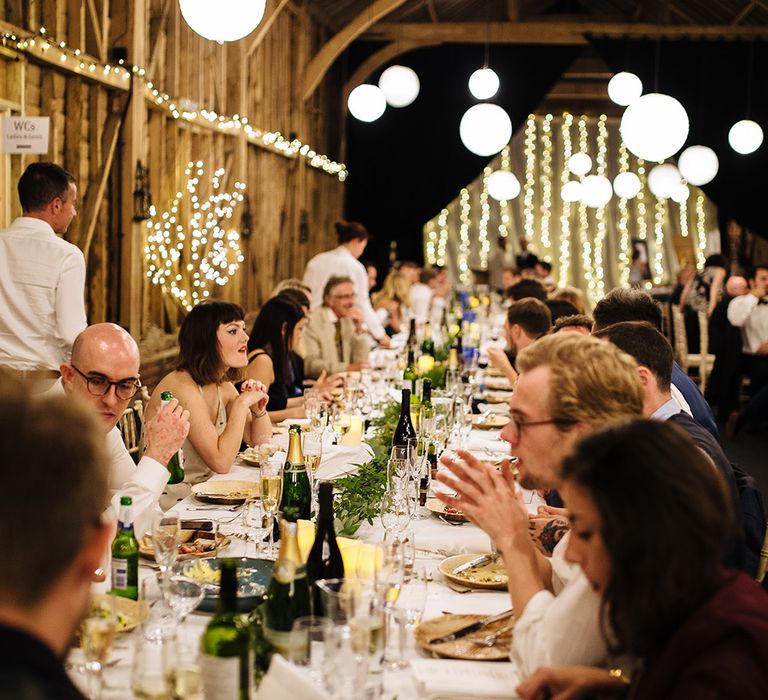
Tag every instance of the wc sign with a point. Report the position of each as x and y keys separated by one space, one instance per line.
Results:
x=25 y=134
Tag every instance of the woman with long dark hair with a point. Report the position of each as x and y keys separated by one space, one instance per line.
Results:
x=650 y=519
x=212 y=352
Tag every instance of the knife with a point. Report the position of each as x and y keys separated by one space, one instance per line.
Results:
x=206 y=525
x=474 y=627
x=472 y=562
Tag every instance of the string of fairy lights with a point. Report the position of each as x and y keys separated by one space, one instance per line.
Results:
x=41 y=42
x=593 y=246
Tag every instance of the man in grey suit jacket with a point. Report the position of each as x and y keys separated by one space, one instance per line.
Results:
x=334 y=338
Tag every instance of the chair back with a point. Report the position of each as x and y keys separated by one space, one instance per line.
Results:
x=681 y=338
x=130 y=431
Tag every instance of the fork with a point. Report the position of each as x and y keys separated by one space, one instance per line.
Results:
x=451 y=522
x=490 y=639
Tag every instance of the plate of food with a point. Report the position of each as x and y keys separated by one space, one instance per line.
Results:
x=441 y=510
x=130 y=613
x=226 y=493
x=490 y=421
x=466 y=647
x=486 y=573
x=252 y=579
x=194 y=544
x=253 y=455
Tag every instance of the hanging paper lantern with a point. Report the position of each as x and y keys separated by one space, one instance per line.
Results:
x=400 y=85
x=571 y=191
x=681 y=193
x=663 y=179
x=223 y=20
x=367 y=103
x=626 y=185
x=483 y=83
x=698 y=165
x=596 y=191
x=580 y=164
x=503 y=185
x=485 y=129
x=745 y=136
x=624 y=88
x=654 y=127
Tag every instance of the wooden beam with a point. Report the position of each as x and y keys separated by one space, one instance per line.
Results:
x=324 y=59
x=264 y=28
x=540 y=32
x=96 y=24
x=159 y=39
x=432 y=11
x=513 y=10
x=739 y=18
x=378 y=59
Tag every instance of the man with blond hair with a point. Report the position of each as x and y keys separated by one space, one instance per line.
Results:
x=569 y=385
x=55 y=490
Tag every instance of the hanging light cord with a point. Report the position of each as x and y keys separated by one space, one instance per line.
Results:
x=750 y=68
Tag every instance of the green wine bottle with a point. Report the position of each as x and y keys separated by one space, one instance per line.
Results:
x=297 y=492
x=428 y=344
x=226 y=659
x=411 y=374
x=288 y=590
x=125 y=554
x=176 y=463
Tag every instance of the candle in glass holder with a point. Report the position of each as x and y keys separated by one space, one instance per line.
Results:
x=425 y=363
x=354 y=436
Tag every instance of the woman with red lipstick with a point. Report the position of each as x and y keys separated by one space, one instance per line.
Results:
x=650 y=518
x=213 y=349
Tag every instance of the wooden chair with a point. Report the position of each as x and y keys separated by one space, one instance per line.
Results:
x=130 y=432
x=702 y=360
x=763 y=565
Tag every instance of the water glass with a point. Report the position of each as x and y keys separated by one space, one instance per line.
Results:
x=97 y=632
x=182 y=595
x=345 y=667
x=406 y=542
x=152 y=667
x=271 y=494
x=395 y=509
x=406 y=613
x=166 y=537
x=311 y=633
x=255 y=520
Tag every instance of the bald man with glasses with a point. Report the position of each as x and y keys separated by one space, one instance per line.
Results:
x=104 y=373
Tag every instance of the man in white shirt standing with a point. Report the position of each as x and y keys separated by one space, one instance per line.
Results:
x=749 y=312
x=42 y=279
x=104 y=372
x=343 y=261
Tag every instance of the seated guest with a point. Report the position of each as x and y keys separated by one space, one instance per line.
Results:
x=213 y=348
x=578 y=323
x=408 y=268
x=569 y=386
x=276 y=331
x=55 y=490
x=421 y=294
x=527 y=287
x=543 y=272
x=393 y=303
x=334 y=338
x=559 y=308
x=104 y=374
x=572 y=296
x=509 y=276
x=527 y=321
x=649 y=520
x=291 y=284
x=635 y=305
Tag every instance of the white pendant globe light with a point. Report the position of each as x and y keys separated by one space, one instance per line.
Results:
x=681 y=193
x=366 y=103
x=745 y=136
x=626 y=185
x=223 y=20
x=654 y=127
x=503 y=185
x=579 y=164
x=400 y=85
x=663 y=179
x=698 y=165
x=571 y=191
x=624 y=88
x=485 y=129
x=596 y=191
x=483 y=83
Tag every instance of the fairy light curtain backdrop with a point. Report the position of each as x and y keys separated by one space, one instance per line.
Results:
x=589 y=248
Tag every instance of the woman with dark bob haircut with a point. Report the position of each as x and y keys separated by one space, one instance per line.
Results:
x=650 y=518
x=213 y=350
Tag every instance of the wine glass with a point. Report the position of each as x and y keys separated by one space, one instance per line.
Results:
x=150 y=669
x=271 y=495
x=406 y=614
x=166 y=537
x=464 y=421
x=310 y=633
x=182 y=595
x=341 y=423
x=97 y=632
x=254 y=515
x=313 y=452
x=395 y=510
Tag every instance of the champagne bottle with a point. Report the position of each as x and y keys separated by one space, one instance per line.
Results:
x=404 y=428
x=411 y=374
x=453 y=359
x=324 y=559
x=412 y=342
x=176 y=463
x=226 y=661
x=125 y=554
x=288 y=590
x=296 y=489
x=428 y=344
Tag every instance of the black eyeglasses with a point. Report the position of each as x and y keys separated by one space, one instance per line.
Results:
x=520 y=423
x=99 y=385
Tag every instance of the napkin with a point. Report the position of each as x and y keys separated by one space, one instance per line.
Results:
x=284 y=681
x=438 y=678
x=338 y=461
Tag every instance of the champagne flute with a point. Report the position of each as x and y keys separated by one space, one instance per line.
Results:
x=406 y=614
x=97 y=632
x=166 y=537
x=342 y=422
x=395 y=511
x=271 y=495
x=313 y=452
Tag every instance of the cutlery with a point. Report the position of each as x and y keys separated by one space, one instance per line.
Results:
x=204 y=525
x=490 y=639
x=228 y=508
x=472 y=562
x=474 y=627
x=457 y=588
x=455 y=523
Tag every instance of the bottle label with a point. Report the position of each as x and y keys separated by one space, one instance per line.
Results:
x=120 y=574
x=220 y=676
x=290 y=644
